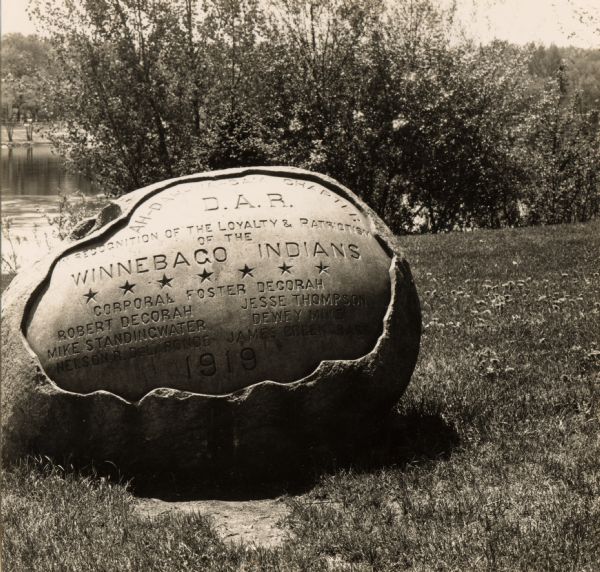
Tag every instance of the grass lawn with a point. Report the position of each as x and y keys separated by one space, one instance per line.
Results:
x=493 y=462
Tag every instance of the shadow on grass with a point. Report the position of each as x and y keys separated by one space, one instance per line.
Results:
x=403 y=439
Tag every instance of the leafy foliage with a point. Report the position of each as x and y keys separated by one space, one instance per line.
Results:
x=23 y=59
x=564 y=153
x=434 y=132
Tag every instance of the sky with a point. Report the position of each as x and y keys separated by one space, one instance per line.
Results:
x=518 y=21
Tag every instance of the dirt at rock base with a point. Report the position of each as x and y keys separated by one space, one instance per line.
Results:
x=258 y=522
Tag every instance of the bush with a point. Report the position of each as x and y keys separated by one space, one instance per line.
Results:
x=564 y=156
x=436 y=134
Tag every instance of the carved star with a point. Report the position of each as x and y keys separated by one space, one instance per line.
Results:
x=90 y=296
x=164 y=281
x=322 y=268
x=246 y=271
x=285 y=269
x=127 y=287
x=205 y=275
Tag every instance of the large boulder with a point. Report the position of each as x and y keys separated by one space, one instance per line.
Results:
x=222 y=323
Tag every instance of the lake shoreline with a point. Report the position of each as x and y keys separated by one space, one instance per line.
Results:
x=34 y=184
x=19 y=136
x=13 y=144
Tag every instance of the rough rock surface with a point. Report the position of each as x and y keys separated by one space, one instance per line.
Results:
x=264 y=430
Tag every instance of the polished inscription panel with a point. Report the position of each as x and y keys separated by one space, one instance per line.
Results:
x=212 y=286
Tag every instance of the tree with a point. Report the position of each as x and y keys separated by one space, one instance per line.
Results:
x=25 y=60
x=430 y=129
x=120 y=127
x=240 y=117
x=563 y=153
x=316 y=82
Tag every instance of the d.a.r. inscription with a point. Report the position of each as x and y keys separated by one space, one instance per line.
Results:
x=210 y=286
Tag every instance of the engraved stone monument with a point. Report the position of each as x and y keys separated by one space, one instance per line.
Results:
x=221 y=322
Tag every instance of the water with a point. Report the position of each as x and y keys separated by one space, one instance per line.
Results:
x=32 y=182
x=34 y=170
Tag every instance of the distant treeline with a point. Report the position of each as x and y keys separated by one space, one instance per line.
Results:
x=434 y=131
